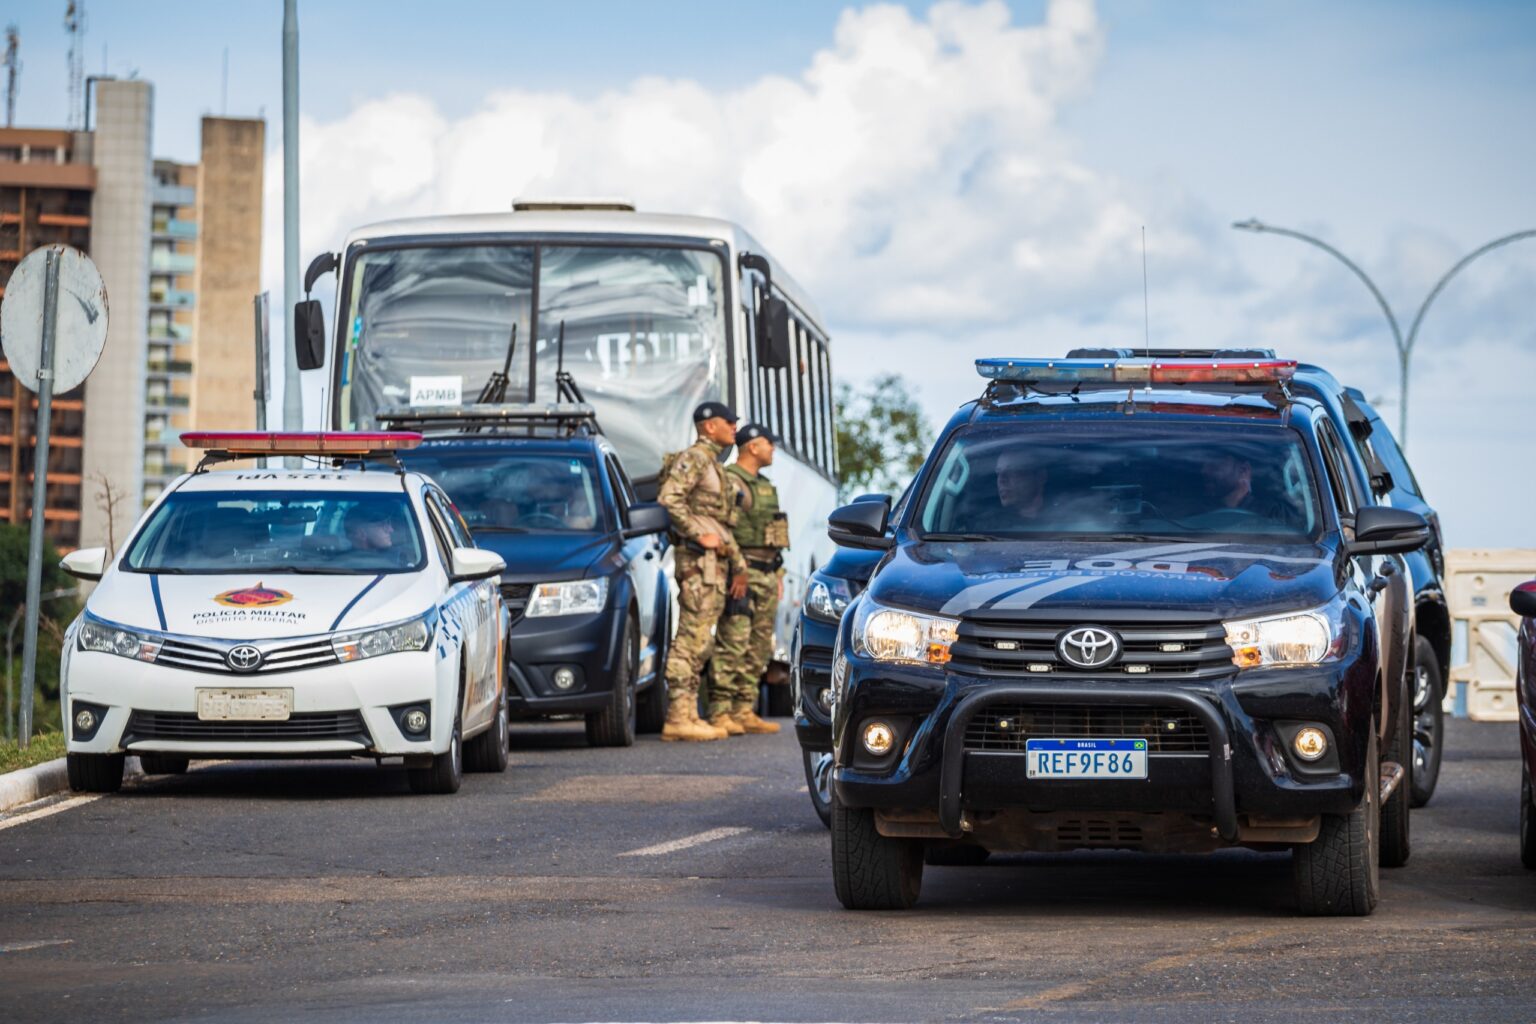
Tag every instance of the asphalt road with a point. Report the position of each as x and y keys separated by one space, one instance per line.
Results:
x=560 y=891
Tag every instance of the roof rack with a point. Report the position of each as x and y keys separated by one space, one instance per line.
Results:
x=526 y=419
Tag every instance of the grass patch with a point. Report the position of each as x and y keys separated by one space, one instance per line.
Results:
x=43 y=748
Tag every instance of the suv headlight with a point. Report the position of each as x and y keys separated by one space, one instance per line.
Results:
x=893 y=634
x=397 y=637
x=1312 y=637
x=827 y=598
x=105 y=638
x=573 y=597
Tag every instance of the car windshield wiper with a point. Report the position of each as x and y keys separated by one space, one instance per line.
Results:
x=498 y=529
x=961 y=536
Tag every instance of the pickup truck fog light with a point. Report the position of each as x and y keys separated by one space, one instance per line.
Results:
x=564 y=679
x=879 y=738
x=824 y=698
x=1310 y=744
x=414 y=720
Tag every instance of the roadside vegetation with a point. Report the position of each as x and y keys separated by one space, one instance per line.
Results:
x=44 y=747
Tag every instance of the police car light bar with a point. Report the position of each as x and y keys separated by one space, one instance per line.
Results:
x=1139 y=371
x=356 y=442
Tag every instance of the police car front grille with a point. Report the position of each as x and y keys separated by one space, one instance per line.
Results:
x=1195 y=650
x=1008 y=726
x=318 y=725
x=276 y=658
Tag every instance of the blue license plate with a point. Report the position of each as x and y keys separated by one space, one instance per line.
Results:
x=1086 y=759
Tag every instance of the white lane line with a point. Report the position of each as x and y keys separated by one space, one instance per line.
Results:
x=22 y=947
x=43 y=812
x=684 y=843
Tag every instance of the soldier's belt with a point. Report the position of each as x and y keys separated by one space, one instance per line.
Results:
x=773 y=564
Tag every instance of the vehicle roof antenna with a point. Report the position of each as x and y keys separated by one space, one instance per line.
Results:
x=1146 y=315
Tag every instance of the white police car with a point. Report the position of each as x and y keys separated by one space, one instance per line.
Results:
x=271 y=613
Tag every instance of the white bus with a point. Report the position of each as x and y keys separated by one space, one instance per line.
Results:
x=659 y=313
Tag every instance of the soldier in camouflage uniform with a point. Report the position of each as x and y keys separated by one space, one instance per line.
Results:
x=695 y=492
x=744 y=641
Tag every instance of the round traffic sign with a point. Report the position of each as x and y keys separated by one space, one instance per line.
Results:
x=80 y=325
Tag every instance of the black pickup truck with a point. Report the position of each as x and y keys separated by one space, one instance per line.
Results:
x=1129 y=603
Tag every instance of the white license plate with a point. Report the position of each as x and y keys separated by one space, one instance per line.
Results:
x=244 y=705
x=1086 y=759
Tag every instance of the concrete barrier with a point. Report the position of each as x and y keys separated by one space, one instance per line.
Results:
x=1477 y=585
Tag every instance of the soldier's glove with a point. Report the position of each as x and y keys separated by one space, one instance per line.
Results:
x=735 y=606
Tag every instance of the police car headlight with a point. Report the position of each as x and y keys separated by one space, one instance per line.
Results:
x=573 y=597
x=105 y=638
x=396 y=638
x=893 y=634
x=827 y=598
x=1312 y=637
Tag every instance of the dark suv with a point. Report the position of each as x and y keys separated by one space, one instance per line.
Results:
x=585 y=587
x=1130 y=604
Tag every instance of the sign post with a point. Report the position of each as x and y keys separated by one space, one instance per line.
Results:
x=51 y=345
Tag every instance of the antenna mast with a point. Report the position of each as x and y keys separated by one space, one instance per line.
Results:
x=12 y=65
x=1146 y=315
x=74 y=24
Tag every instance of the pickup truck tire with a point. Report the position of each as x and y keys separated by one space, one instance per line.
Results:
x=1338 y=873
x=1428 y=722
x=95 y=773
x=818 y=782
x=651 y=703
x=614 y=726
x=163 y=764
x=1527 y=822
x=1395 y=812
x=871 y=871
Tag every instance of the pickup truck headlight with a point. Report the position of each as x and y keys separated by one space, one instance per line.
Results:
x=827 y=598
x=395 y=638
x=105 y=638
x=894 y=634
x=1312 y=637
x=573 y=597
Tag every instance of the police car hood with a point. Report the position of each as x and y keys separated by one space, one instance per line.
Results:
x=247 y=606
x=1050 y=578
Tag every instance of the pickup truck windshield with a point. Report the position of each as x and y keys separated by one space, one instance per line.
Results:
x=218 y=532
x=1132 y=481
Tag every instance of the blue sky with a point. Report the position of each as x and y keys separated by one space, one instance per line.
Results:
x=956 y=181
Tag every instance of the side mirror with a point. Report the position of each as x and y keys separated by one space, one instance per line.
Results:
x=862 y=525
x=872 y=497
x=647 y=517
x=475 y=564
x=85 y=564
x=1522 y=600
x=1381 y=530
x=309 y=334
x=773 y=344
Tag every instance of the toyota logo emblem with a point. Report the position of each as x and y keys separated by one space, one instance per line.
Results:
x=1088 y=647
x=244 y=658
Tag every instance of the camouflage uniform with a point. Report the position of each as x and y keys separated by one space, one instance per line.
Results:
x=695 y=492
x=745 y=641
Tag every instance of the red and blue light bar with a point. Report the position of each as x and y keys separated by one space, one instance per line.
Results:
x=1139 y=371
x=349 y=442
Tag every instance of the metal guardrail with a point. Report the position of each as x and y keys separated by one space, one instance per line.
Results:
x=1483 y=648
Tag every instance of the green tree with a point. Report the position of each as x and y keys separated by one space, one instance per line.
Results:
x=882 y=435
x=56 y=614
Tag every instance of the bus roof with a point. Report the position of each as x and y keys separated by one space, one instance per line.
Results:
x=588 y=222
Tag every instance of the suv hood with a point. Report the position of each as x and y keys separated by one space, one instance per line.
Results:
x=241 y=606
x=1048 y=578
x=545 y=557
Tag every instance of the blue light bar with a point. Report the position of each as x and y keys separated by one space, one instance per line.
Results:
x=1139 y=371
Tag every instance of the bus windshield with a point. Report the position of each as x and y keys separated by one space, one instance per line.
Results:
x=644 y=332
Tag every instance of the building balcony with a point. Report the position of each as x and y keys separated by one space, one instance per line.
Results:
x=170 y=333
x=165 y=403
x=172 y=263
x=174 y=229
x=173 y=195
x=166 y=369
x=171 y=298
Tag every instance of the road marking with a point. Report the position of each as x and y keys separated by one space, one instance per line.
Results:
x=43 y=812
x=22 y=947
x=686 y=842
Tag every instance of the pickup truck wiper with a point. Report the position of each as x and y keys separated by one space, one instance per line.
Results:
x=498 y=529
x=961 y=536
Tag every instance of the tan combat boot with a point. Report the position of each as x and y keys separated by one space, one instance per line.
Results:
x=681 y=725
x=749 y=722
x=723 y=720
x=693 y=713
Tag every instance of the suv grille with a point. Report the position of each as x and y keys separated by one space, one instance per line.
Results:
x=175 y=725
x=1006 y=726
x=514 y=597
x=1158 y=650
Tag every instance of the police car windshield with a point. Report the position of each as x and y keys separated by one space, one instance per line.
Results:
x=511 y=492
x=1127 y=481
x=213 y=532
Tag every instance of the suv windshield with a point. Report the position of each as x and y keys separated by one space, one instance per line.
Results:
x=501 y=490
x=216 y=532
x=1132 y=480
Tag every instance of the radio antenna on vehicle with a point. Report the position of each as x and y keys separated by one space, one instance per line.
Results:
x=1146 y=315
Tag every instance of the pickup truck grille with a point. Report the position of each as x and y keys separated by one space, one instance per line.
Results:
x=1159 y=650
x=1008 y=726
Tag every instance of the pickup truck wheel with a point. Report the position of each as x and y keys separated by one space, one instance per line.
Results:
x=871 y=871
x=163 y=764
x=956 y=855
x=1395 y=811
x=95 y=773
x=447 y=769
x=614 y=726
x=651 y=704
x=488 y=751
x=1428 y=722
x=818 y=780
x=1527 y=822
x=1338 y=873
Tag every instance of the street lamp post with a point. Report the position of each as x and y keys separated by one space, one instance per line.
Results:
x=1403 y=345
